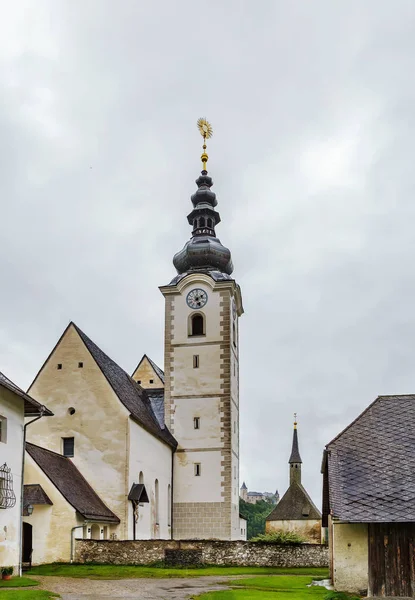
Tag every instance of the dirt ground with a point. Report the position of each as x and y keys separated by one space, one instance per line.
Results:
x=134 y=589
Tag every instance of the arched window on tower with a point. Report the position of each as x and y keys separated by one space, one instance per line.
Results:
x=197 y=325
x=202 y=222
x=209 y=223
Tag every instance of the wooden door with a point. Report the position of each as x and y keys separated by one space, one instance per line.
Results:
x=392 y=559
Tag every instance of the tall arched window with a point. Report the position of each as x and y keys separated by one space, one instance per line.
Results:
x=209 y=223
x=169 y=505
x=202 y=222
x=197 y=325
x=156 y=494
x=141 y=477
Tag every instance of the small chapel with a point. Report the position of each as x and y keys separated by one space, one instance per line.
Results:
x=296 y=512
x=153 y=454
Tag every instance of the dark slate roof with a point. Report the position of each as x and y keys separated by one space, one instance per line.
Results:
x=296 y=504
x=71 y=484
x=33 y=493
x=371 y=464
x=156 y=396
x=32 y=408
x=244 y=486
x=134 y=397
x=138 y=493
x=216 y=276
x=295 y=453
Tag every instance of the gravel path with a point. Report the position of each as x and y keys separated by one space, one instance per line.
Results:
x=134 y=589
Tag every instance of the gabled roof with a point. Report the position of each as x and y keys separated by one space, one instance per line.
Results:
x=159 y=372
x=33 y=493
x=296 y=504
x=156 y=397
x=369 y=467
x=134 y=398
x=32 y=408
x=138 y=493
x=71 y=484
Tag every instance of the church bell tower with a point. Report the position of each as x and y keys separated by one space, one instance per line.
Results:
x=203 y=304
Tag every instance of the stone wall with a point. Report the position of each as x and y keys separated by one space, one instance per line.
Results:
x=145 y=552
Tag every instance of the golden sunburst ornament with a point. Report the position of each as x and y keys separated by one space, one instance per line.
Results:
x=205 y=128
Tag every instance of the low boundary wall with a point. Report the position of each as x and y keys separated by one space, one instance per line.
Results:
x=247 y=554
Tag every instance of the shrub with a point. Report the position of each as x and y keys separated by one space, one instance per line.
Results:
x=7 y=570
x=288 y=538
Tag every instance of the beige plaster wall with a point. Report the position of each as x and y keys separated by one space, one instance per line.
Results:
x=12 y=408
x=51 y=524
x=350 y=556
x=144 y=373
x=309 y=529
x=99 y=425
x=153 y=459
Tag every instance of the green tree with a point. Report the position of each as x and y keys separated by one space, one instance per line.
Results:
x=255 y=514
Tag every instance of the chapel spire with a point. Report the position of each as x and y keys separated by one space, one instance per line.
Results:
x=295 y=458
x=204 y=251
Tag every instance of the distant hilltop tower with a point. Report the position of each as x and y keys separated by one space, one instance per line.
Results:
x=244 y=492
x=203 y=305
x=296 y=511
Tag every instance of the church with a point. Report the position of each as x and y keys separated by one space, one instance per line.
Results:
x=152 y=454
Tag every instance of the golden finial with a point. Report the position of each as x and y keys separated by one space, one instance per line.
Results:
x=295 y=420
x=206 y=132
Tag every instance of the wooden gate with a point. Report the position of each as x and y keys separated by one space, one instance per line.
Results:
x=392 y=559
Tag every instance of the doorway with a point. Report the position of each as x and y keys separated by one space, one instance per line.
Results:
x=27 y=544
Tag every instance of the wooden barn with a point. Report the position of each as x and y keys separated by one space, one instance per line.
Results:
x=369 y=500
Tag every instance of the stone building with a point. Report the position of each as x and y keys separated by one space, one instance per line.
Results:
x=369 y=500
x=132 y=437
x=254 y=497
x=15 y=406
x=296 y=512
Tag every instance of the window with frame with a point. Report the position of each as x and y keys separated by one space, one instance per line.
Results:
x=197 y=325
x=196 y=422
x=68 y=447
x=198 y=469
x=3 y=429
x=195 y=361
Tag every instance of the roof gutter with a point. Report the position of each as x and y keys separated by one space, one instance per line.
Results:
x=41 y=414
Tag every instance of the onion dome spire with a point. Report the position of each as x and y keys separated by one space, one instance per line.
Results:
x=204 y=251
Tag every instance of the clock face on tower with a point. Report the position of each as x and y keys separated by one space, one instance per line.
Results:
x=196 y=298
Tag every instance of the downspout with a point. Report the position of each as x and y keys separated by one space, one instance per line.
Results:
x=72 y=538
x=171 y=496
x=42 y=411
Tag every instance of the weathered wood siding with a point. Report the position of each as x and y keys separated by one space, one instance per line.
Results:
x=392 y=559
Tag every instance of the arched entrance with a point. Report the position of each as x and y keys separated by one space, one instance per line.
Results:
x=95 y=532
x=27 y=543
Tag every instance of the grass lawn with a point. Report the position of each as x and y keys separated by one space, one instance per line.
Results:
x=92 y=571
x=27 y=595
x=292 y=587
x=18 y=582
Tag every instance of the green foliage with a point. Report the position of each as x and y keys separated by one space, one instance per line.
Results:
x=6 y=570
x=18 y=582
x=269 y=588
x=288 y=538
x=255 y=514
x=92 y=571
x=340 y=596
x=27 y=595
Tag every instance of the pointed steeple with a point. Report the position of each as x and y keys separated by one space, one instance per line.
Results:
x=295 y=458
x=204 y=251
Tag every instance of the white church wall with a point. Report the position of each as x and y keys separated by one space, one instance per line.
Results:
x=153 y=459
x=11 y=451
x=99 y=425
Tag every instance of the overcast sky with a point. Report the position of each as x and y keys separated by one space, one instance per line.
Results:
x=312 y=105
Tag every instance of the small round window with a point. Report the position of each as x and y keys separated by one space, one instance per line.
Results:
x=71 y=411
